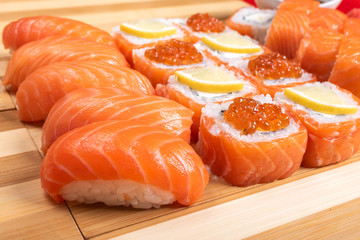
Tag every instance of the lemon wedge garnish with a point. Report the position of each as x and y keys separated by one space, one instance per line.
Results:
x=209 y=79
x=320 y=98
x=148 y=28
x=231 y=42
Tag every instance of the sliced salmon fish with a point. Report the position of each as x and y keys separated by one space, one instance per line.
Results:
x=42 y=88
x=286 y=31
x=124 y=150
x=28 y=29
x=346 y=71
x=88 y=105
x=318 y=51
x=36 y=54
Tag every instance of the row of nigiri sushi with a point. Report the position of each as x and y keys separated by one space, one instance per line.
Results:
x=324 y=41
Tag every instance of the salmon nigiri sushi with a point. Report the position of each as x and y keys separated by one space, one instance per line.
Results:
x=28 y=29
x=42 y=88
x=123 y=163
x=87 y=105
x=36 y=54
x=251 y=140
x=332 y=118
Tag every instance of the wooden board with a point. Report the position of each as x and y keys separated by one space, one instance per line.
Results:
x=320 y=203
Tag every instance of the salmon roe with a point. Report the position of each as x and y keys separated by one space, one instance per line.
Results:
x=274 y=66
x=203 y=22
x=174 y=52
x=248 y=115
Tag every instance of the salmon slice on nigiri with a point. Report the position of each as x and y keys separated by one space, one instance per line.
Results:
x=42 y=88
x=87 y=105
x=36 y=54
x=28 y=29
x=120 y=162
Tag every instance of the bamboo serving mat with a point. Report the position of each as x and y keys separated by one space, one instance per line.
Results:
x=313 y=203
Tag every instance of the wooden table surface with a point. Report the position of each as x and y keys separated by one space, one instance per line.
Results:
x=319 y=203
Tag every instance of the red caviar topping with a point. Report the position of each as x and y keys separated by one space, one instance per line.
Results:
x=174 y=52
x=274 y=66
x=248 y=115
x=203 y=22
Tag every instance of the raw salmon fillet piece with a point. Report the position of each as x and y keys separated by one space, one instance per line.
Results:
x=42 y=88
x=286 y=31
x=36 y=54
x=28 y=29
x=119 y=149
x=327 y=18
x=318 y=51
x=346 y=71
x=351 y=27
x=87 y=105
x=304 y=6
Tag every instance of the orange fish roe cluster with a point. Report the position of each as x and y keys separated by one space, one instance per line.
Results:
x=248 y=115
x=203 y=22
x=274 y=66
x=174 y=52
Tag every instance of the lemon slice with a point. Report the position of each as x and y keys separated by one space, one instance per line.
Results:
x=231 y=42
x=209 y=79
x=320 y=98
x=148 y=28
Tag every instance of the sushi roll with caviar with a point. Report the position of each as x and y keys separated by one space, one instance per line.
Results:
x=159 y=62
x=275 y=72
x=230 y=47
x=251 y=21
x=123 y=163
x=196 y=87
x=251 y=140
x=271 y=71
x=200 y=25
x=145 y=33
x=332 y=118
